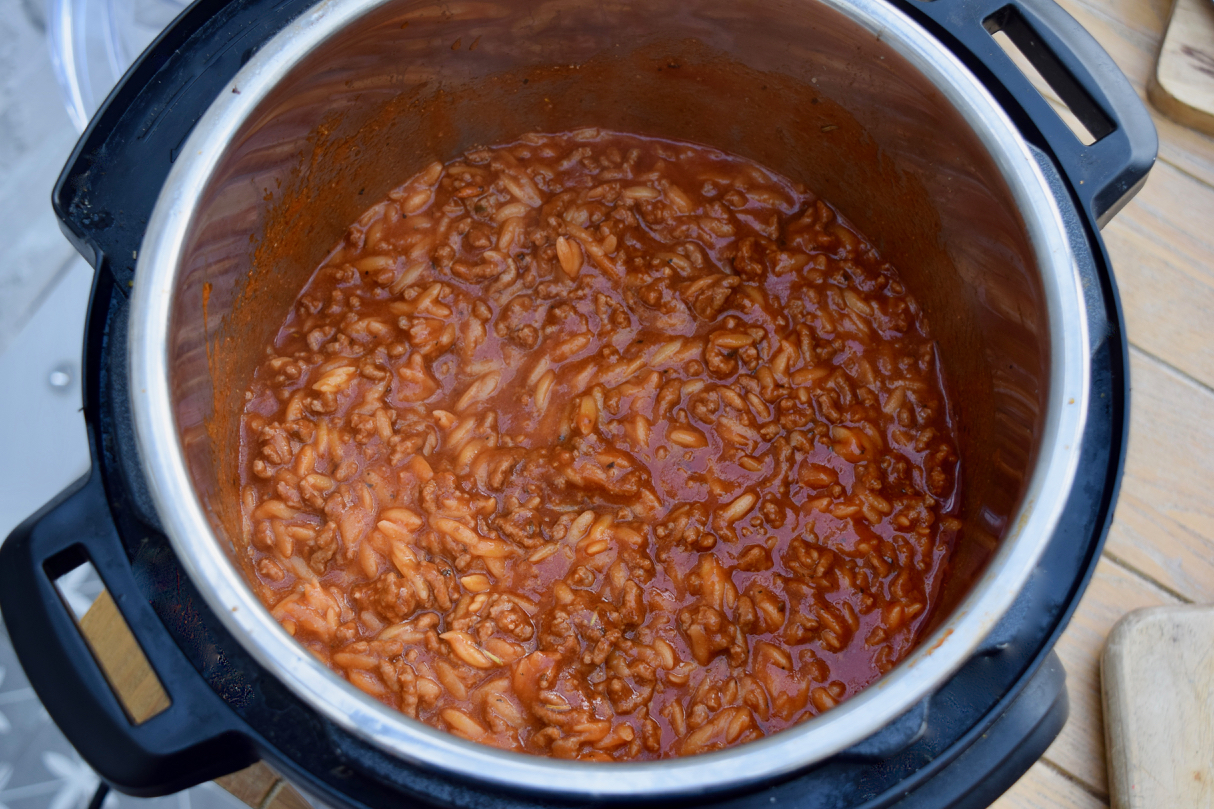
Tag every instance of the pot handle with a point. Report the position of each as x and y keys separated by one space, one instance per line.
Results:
x=1105 y=174
x=195 y=739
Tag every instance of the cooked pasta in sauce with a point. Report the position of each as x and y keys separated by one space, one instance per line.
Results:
x=601 y=447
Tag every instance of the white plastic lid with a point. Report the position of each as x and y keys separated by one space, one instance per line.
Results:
x=93 y=42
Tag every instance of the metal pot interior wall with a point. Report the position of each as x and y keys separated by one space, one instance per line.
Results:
x=793 y=84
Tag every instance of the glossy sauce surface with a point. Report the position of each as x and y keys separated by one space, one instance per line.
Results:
x=601 y=447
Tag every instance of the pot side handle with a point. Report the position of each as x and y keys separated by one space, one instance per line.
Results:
x=1104 y=175
x=195 y=739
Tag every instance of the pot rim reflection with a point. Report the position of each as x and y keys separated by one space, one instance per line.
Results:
x=936 y=657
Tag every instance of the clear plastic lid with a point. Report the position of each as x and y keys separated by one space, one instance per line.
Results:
x=93 y=42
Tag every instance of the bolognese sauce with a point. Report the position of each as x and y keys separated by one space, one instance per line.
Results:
x=601 y=447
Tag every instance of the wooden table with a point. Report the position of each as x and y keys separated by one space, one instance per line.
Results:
x=1161 y=548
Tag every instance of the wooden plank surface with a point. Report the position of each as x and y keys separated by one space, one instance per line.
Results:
x=1114 y=591
x=1158 y=670
x=1161 y=246
x=1046 y=785
x=1161 y=547
x=1165 y=517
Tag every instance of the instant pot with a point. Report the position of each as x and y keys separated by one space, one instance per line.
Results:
x=235 y=151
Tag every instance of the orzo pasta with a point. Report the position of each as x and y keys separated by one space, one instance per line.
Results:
x=601 y=447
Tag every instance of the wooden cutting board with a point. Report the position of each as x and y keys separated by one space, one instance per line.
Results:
x=1158 y=683
x=1182 y=86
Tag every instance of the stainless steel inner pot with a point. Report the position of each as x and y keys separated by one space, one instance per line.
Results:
x=848 y=96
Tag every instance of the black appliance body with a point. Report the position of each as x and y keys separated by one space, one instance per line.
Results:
x=961 y=747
